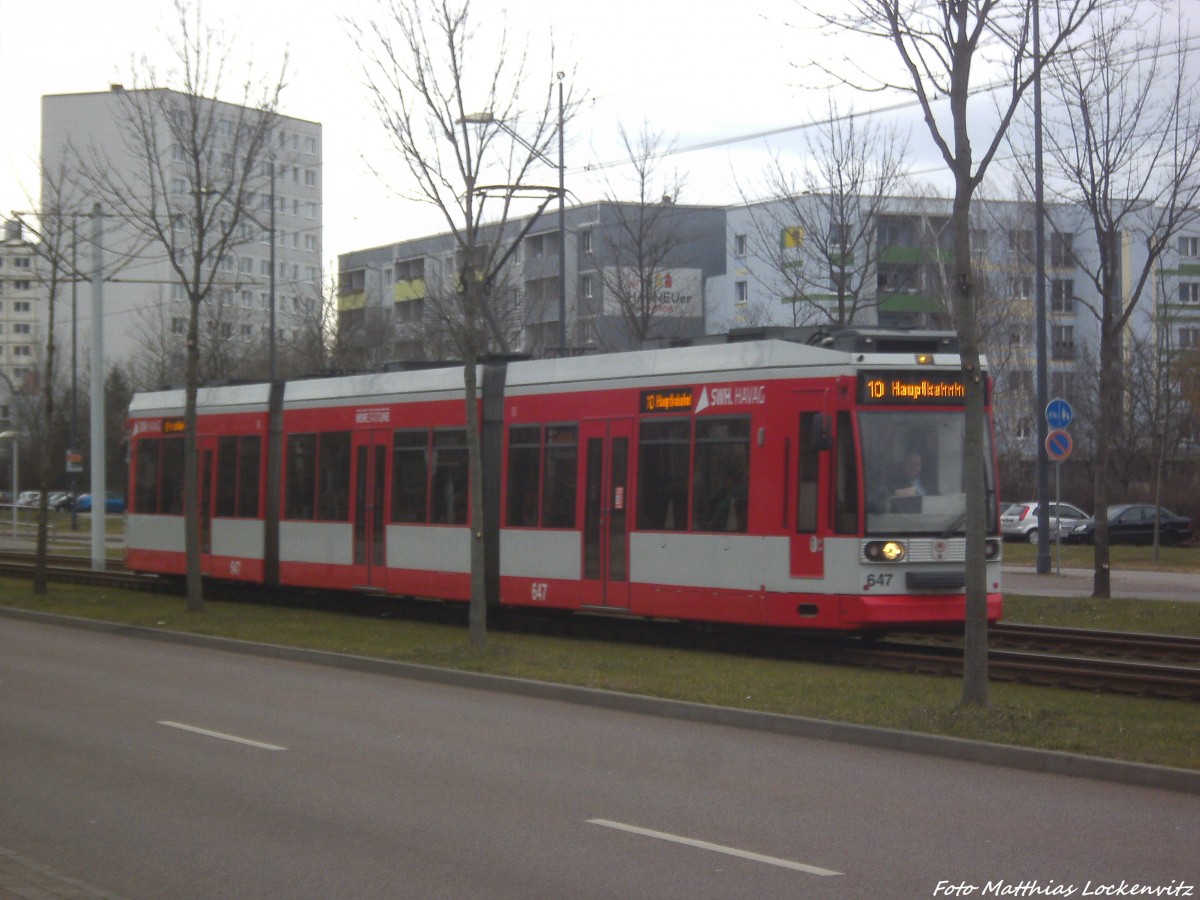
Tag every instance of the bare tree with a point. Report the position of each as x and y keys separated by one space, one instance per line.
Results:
x=54 y=228
x=942 y=45
x=645 y=238
x=1126 y=141
x=197 y=163
x=450 y=99
x=817 y=228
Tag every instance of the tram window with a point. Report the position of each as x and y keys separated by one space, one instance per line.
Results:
x=227 y=462
x=846 y=479
x=249 y=467
x=333 y=476
x=663 y=459
x=410 y=476
x=524 y=474
x=301 y=476
x=170 y=494
x=562 y=467
x=449 y=480
x=721 y=475
x=145 y=477
x=807 y=478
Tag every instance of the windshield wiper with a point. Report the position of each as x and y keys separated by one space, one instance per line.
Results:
x=954 y=526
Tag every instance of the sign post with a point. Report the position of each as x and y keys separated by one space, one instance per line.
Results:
x=1058 y=448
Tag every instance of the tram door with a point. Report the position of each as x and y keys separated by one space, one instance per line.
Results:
x=606 y=512
x=370 y=510
x=808 y=497
x=206 y=450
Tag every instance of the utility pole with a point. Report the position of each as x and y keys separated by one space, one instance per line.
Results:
x=1039 y=251
x=99 y=482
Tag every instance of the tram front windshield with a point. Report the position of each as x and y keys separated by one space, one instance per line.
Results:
x=913 y=472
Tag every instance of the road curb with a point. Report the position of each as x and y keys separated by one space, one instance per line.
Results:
x=1029 y=759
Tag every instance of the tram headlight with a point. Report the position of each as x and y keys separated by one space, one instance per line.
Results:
x=885 y=551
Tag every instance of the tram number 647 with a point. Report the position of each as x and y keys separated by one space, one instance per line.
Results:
x=538 y=591
x=882 y=580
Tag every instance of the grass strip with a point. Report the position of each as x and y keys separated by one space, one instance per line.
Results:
x=1160 y=732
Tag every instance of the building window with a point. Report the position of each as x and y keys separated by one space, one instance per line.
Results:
x=1020 y=242
x=1061 y=384
x=1062 y=295
x=741 y=293
x=739 y=245
x=585 y=241
x=1020 y=381
x=1189 y=338
x=1062 y=250
x=586 y=287
x=1189 y=292
x=1189 y=246
x=1020 y=287
x=1062 y=339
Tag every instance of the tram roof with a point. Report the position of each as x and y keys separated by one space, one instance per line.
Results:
x=753 y=358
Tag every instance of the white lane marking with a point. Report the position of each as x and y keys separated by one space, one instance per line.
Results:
x=224 y=737
x=716 y=848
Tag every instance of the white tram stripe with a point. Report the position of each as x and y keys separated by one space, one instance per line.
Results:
x=715 y=848
x=224 y=737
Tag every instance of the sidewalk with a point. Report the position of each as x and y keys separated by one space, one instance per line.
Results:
x=1129 y=584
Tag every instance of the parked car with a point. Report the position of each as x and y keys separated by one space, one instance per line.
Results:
x=29 y=498
x=1133 y=523
x=113 y=503
x=1020 y=520
x=60 y=501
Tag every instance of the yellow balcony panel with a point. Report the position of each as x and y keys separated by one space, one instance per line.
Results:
x=408 y=290
x=356 y=300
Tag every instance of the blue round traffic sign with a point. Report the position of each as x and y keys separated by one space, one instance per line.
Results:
x=1058 y=413
x=1058 y=445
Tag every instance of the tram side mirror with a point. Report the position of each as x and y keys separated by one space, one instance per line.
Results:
x=820 y=434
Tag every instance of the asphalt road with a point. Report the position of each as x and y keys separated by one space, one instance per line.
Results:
x=155 y=770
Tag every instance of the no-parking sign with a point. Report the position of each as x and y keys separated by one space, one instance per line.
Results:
x=1058 y=445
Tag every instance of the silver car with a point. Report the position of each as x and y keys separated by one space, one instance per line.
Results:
x=1020 y=520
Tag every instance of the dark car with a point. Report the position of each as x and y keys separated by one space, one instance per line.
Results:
x=1133 y=523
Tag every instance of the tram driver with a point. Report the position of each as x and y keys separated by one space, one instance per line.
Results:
x=903 y=492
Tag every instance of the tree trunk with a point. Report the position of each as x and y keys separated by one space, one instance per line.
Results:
x=975 y=643
x=1109 y=413
x=477 y=614
x=191 y=508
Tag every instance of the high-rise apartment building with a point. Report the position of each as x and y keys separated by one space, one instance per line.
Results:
x=22 y=298
x=145 y=306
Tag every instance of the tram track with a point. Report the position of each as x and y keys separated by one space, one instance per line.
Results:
x=1150 y=665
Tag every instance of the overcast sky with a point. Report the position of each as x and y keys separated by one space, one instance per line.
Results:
x=691 y=75
x=694 y=75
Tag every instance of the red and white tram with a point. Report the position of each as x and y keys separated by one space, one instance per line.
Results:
x=755 y=482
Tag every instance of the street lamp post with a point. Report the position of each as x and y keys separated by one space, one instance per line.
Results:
x=16 y=468
x=486 y=118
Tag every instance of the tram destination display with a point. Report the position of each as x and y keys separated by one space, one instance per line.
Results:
x=910 y=386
